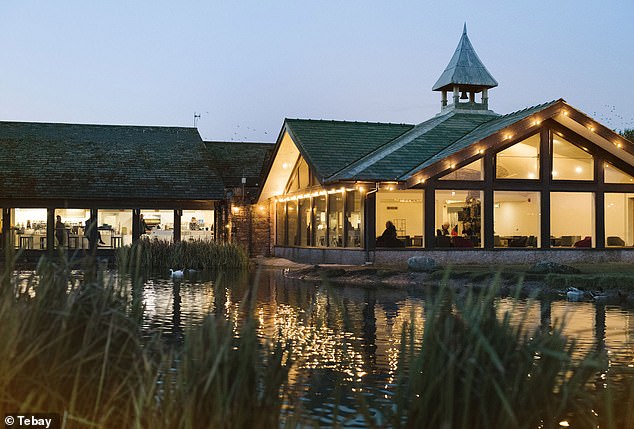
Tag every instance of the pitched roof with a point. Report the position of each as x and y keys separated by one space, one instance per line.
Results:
x=235 y=160
x=76 y=161
x=465 y=68
x=485 y=129
x=329 y=146
x=419 y=144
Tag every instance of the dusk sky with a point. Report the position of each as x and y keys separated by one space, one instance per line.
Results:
x=246 y=65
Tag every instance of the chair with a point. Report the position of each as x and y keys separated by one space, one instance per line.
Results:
x=615 y=241
x=586 y=242
x=462 y=242
x=567 y=241
x=443 y=241
x=532 y=241
x=519 y=241
x=497 y=241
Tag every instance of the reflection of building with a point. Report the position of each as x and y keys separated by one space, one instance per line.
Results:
x=547 y=176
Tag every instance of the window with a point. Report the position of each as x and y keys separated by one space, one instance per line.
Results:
x=291 y=216
x=619 y=220
x=566 y=229
x=516 y=219
x=304 y=221
x=115 y=226
x=335 y=219
x=615 y=175
x=280 y=223
x=353 y=219
x=405 y=210
x=471 y=171
x=160 y=223
x=28 y=228
x=321 y=227
x=195 y=225
x=458 y=218
x=570 y=162
x=520 y=161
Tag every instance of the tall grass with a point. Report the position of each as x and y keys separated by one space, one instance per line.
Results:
x=154 y=256
x=476 y=369
x=73 y=347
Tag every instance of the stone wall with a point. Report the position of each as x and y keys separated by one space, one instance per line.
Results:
x=455 y=256
x=250 y=227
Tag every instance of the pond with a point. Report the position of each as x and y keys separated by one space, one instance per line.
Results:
x=347 y=339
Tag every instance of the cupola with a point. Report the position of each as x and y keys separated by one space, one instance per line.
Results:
x=465 y=76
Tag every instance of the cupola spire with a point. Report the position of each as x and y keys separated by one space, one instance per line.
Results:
x=465 y=76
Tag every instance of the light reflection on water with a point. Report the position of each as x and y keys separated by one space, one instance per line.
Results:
x=347 y=339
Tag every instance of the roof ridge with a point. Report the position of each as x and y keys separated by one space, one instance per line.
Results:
x=392 y=145
x=346 y=122
x=95 y=125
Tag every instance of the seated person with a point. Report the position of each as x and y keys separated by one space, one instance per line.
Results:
x=193 y=224
x=388 y=238
x=586 y=242
x=444 y=231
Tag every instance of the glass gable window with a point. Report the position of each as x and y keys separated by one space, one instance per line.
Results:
x=570 y=162
x=353 y=219
x=520 y=161
x=458 y=218
x=471 y=171
x=516 y=219
x=619 y=221
x=321 y=226
x=335 y=219
x=280 y=223
x=615 y=175
x=568 y=230
x=291 y=216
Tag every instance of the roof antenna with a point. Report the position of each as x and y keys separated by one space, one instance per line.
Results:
x=196 y=117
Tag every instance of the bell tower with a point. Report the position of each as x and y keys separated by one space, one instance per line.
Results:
x=465 y=77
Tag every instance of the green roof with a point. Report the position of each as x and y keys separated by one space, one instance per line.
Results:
x=75 y=161
x=483 y=130
x=329 y=146
x=235 y=160
x=465 y=68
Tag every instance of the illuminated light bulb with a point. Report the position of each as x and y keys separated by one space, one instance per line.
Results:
x=508 y=136
x=453 y=166
x=285 y=165
x=619 y=145
x=554 y=173
x=422 y=180
x=481 y=151
x=565 y=113
x=564 y=424
x=361 y=189
x=591 y=128
x=578 y=169
x=531 y=175
x=453 y=193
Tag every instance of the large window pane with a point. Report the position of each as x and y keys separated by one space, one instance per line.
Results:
x=335 y=219
x=321 y=226
x=458 y=218
x=28 y=229
x=197 y=225
x=353 y=219
x=520 y=161
x=304 y=221
x=471 y=171
x=291 y=213
x=516 y=219
x=115 y=227
x=570 y=162
x=280 y=223
x=160 y=223
x=572 y=219
x=404 y=209
x=619 y=219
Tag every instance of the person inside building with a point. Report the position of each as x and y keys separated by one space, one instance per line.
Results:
x=193 y=224
x=388 y=238
x=444 y=230
x=60 y=230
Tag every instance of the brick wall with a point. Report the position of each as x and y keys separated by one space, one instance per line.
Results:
x=250 y=227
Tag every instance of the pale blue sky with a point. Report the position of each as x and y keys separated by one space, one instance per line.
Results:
x=246 y=65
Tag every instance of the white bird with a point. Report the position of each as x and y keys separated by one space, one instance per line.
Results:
x=178 y=274
x=574 y=294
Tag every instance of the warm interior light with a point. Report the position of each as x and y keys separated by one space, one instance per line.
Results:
x=422 y=180
x=261 y=208
x=565 y=112
x=531 y=175
x=619 y=145
x=591 y=128
x=554 y=173
x=481 y=151
x=361 y=189
x=285 y=165
x=578 y=169
x=453 y=166
x=508 y=136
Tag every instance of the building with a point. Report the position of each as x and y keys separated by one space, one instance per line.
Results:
x=544 y=181
x=107 y=176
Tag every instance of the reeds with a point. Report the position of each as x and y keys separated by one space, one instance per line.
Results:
x=158 y=256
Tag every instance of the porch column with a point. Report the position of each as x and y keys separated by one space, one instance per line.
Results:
x=429 y=217
x=93 y=233
x=545 y=168
x=370 y=222
x=599 y=205
x=136 y=227
x=50 y=229
x=6 y=227
x=177 y=225
x=488 y=203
